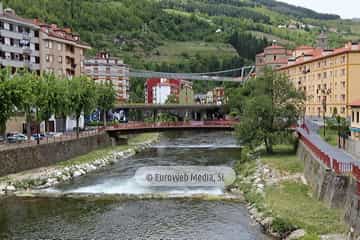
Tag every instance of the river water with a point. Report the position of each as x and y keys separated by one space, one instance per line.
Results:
x=140 y=219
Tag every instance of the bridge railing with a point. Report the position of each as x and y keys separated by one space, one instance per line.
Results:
x=135 y=125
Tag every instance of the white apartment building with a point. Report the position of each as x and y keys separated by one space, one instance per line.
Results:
x=104 y=68
x=19 y=42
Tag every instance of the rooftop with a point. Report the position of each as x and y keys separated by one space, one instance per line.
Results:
x=10 y=14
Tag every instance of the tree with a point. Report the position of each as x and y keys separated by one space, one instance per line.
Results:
x=29 y=88
x=106 y=97
x=82 y=98
x=171 y=99
x=10 y=98
x=61 y=101
x=271 y=104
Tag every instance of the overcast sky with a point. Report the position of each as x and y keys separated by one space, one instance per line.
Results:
x=344 y=8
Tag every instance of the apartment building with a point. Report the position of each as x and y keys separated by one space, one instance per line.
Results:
x=355 y=120
x=62 y=51
x=104 y=68
x=19 y=42
x=273 y=56
x=329 y=78
x=157 y=91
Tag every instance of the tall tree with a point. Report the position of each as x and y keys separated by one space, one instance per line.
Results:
x=271 y=106
x=82 y=97
x=10 y=98
x=106 y=97
x=29 y=86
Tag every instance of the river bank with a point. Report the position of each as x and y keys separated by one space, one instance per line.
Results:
x=46 y=177
x=281 y=201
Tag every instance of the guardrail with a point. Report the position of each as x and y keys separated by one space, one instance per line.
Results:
x=338 y=166
x=137 y=125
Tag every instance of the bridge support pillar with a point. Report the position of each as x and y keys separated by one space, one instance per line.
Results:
x=155 y=115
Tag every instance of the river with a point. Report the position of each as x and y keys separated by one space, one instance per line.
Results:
x=140 y=219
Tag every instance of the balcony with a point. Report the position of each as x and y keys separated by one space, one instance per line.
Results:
x=12 y=63
x=13 y=49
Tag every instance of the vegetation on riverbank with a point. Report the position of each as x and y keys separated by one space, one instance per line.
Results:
x=289 y=203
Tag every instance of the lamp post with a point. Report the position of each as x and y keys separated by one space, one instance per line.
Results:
x=325 y=92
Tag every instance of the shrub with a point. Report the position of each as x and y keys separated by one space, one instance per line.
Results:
x=282 y=226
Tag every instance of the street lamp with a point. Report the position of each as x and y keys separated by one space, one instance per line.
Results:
x=325 y=92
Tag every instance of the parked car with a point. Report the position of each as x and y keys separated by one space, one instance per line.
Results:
x=2 y=139
x=54 y=134
x=17 y=137
x=38 y=136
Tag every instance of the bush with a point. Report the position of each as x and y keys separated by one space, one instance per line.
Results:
x=282 y=226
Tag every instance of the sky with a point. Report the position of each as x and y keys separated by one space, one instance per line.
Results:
x=344 y=8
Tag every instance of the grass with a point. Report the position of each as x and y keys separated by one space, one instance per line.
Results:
x=290 y=201
x=92 y=156
x=283 y=160
x=293 y=201
x=331 y=136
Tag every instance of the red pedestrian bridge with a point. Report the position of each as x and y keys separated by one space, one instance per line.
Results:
x=141 y=127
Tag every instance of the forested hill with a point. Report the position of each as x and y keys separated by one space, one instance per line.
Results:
x=187 y=35
x=161 y=33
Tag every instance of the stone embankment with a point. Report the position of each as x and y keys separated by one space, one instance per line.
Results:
x=46 y=177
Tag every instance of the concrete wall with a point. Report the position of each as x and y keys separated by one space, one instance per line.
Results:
x=337 y=191
x=26 y=158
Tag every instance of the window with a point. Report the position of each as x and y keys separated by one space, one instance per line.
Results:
x=343 y=110
x=49 y=58
x=60 y=59
x=59 y=46
x=353 y=117
x=343 y=72
x=48 y=44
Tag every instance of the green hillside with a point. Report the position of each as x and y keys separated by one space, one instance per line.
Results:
x=188 y=35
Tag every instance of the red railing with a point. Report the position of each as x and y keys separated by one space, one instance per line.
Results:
x=318 y=153
x=337 y=166
x=140 y=125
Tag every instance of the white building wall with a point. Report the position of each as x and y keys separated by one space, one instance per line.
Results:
x=161 y=94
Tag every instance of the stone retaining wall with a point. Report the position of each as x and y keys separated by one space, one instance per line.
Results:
x=30 y=157
x=337 y=191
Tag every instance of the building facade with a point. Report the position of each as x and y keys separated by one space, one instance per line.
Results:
x=273 y=57
x=104 y=68
x=19 y=42
x=62 y=52
x=158 y=89
x=329 y=79
x=355 y=120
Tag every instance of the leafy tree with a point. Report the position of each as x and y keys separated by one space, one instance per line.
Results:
x=10 y=98
x=171 y=99
x=29 y=88
x=82 y=98
x=61 y=99
x=106 y=97
x=270 y=105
